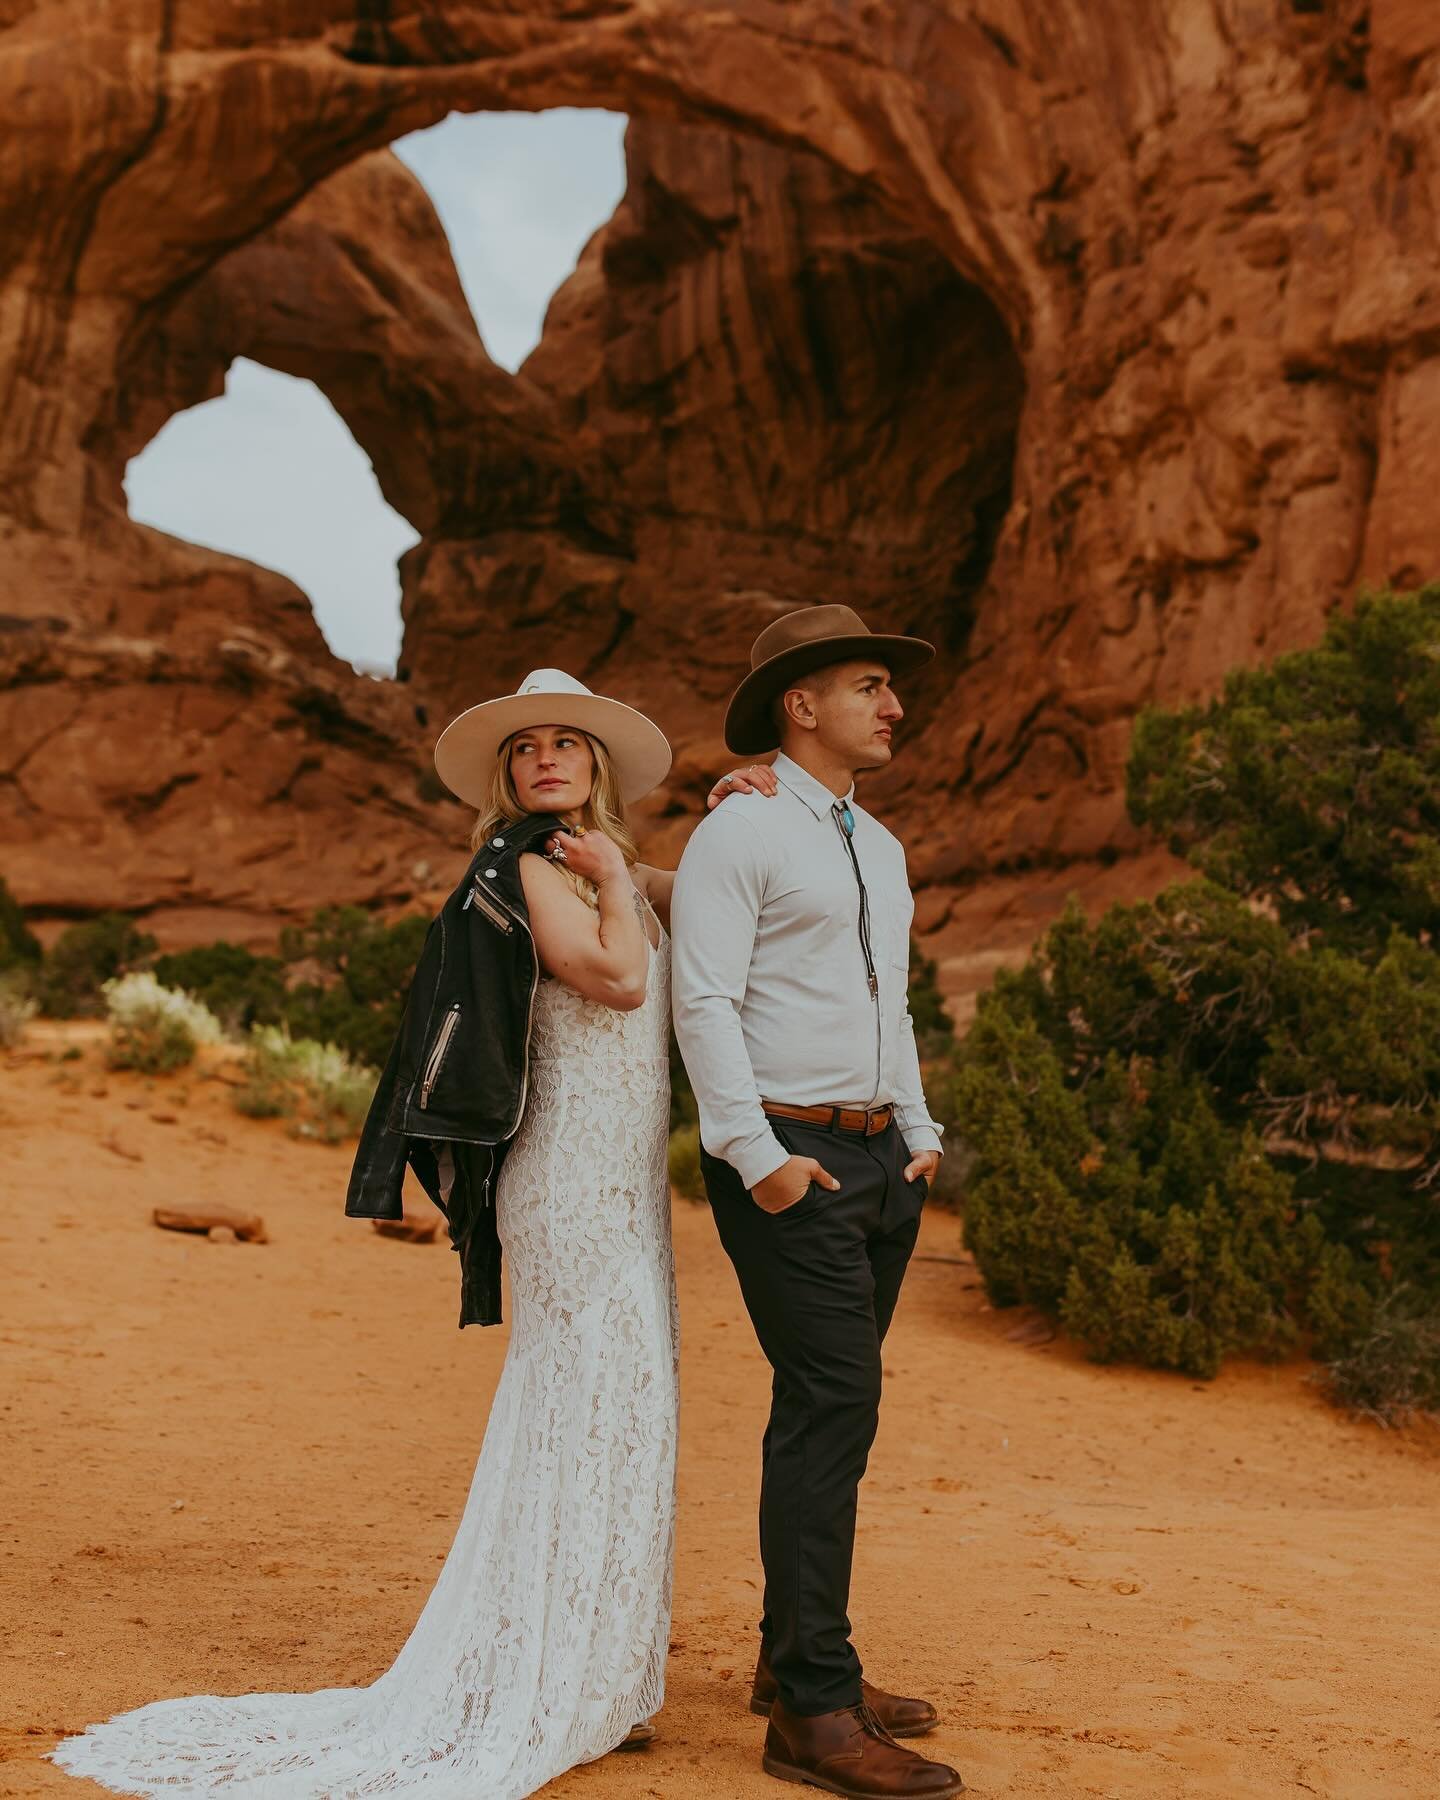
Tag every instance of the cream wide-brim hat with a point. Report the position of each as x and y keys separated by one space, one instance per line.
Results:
x=468 y=746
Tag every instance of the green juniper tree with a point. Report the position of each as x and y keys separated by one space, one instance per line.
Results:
x=1210 y=1122
x=1314 y=784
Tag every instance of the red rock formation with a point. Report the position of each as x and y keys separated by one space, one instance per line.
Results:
x=175 y=735
x=1100 y=340
x=778 y=396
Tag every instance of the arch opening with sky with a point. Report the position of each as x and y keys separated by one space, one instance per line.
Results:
x=270 y=472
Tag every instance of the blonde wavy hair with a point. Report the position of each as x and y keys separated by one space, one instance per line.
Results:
x=603 y=811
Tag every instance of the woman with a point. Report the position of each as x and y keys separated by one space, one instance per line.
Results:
x=543 y=1643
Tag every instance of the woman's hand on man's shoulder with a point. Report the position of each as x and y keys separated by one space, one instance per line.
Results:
x=754 y=778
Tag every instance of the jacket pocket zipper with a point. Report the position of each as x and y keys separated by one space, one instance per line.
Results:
x=492 y=911
x=437 y=1054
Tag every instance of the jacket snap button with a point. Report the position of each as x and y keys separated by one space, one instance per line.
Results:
x=490 y=874
x=498 y=843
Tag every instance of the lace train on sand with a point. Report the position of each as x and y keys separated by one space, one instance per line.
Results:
x=544 y=1639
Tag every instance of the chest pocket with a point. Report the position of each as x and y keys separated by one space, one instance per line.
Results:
x=897 y=931
x=490 y=909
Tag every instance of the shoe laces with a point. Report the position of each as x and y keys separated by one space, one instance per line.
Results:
x=870 y=1721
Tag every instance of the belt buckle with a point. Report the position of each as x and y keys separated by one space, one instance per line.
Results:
x=872 y=1116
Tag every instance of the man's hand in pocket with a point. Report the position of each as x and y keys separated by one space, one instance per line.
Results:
x=786 y=1186
x=923 y=1162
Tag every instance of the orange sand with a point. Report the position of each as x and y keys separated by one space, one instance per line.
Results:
x=233 y=1467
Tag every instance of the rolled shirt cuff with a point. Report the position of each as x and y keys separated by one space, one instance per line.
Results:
x=922 y=1137
x=758 y=1157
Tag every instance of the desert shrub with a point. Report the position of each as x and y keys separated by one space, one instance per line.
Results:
x=341 y=979
x=153 y=1028
x=17 y=1008
x=1314 y=784
x=72 y=978
x=1353 y=1062
x=685 y=1176
x=19 y=947
x=366 y=967
x=1391 y=1371
x=1192 y=973
x=325 y=1091
x=1128 y=1209
x=1211 y=1121
x=239 y=987
x=264 y=1092
x=1328 y=1051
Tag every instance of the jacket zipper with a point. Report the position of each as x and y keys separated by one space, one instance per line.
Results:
x=492 y=911
x=529 y=1020
x=524 y=925
x=432 y=1064
x=437 y=1053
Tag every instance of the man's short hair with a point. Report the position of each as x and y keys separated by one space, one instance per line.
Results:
x=819 y=681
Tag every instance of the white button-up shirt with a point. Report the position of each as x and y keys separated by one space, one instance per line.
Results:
x=771 y=991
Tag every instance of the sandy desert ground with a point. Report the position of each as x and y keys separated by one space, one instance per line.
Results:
x=232 y=1467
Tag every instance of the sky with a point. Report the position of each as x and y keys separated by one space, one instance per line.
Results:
x=269 y=471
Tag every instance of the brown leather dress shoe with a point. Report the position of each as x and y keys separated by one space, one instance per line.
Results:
x=902 y=1718
x=851 y=1753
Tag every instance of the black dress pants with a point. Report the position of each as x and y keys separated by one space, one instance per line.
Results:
x=820 y=1281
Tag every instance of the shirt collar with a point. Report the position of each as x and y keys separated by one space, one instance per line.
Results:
x=803 y=785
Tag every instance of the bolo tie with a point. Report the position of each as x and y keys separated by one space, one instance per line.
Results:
x=845 y=822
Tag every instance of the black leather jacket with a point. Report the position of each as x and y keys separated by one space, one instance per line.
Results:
x=452 y=1092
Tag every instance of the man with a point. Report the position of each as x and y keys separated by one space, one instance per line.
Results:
x=791 y=952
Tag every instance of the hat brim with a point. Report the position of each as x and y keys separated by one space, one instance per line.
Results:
x=749 y=728
x=467 y=748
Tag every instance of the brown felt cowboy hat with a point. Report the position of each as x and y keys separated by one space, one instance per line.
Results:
x=797 y=645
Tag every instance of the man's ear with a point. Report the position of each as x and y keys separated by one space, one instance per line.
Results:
x=795 y=708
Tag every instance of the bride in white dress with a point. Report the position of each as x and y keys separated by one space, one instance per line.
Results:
x=543 y=1644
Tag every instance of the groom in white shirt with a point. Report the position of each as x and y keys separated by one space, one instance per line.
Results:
x=791 y=923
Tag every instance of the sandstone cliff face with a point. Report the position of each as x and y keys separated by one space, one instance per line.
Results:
x=1100 y=341
x=174 y=735
x=777 y=396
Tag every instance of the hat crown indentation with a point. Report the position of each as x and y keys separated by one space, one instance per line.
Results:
x=551 y=681
x=806 y=625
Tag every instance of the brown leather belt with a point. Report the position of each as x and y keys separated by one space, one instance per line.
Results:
x=865 y=1119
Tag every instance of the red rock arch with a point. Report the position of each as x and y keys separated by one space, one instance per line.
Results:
x=1207 y=232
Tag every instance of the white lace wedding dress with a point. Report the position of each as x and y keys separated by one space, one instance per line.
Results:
x=545 y=1638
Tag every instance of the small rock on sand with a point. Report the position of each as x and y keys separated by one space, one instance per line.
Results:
x=410 y=1229
x=221 y=1234
x=249 y=1228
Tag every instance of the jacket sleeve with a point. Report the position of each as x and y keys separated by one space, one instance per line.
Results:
x=378 y=1172
x=719 y=890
